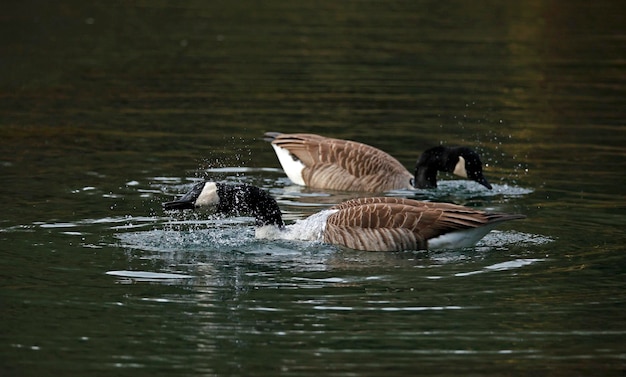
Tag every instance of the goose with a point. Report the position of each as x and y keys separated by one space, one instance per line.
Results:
x=370 y=224
x=327 y=163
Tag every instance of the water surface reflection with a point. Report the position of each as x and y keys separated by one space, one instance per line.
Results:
x=109 y=110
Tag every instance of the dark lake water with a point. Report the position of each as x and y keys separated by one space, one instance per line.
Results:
x=109 y=109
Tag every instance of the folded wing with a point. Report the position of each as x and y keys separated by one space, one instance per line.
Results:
x=342 y=164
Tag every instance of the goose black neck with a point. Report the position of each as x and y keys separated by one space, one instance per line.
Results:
x=430 y=162
x=249 y=200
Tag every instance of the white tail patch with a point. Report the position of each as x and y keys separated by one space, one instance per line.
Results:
x=292 y=167
x=460 y=239
x=459 y=169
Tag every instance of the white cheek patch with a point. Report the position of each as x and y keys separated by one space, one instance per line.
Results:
x=292 y=167
x=459 y=169
x=208 y=196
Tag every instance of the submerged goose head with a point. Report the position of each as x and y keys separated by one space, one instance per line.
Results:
x=371 y=224
x=461 y=161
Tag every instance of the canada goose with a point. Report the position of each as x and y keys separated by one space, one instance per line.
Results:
x=373 y=224
x=336 y=164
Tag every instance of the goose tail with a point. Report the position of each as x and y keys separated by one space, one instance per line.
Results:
x=270 y=136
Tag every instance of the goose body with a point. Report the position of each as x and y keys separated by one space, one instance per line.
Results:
x=372 y=224
x=327 y=163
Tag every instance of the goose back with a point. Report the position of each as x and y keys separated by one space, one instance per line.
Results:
x=345 y=165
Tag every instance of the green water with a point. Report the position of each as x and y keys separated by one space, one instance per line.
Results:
x=108 y=109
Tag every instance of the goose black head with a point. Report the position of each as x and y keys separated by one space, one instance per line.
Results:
x=470 y=166
x=461 y=161
x=202 y=194
x=237 y=200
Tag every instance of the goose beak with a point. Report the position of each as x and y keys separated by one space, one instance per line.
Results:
x=178 y=204
x=483 y=181
x=202 y=194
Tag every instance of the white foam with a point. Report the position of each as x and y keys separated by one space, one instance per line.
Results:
x=309 y=229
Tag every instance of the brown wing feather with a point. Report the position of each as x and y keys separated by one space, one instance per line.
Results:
x=343 y=164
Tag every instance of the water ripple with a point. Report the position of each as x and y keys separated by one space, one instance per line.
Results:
x=147 y=276
x=503 y=266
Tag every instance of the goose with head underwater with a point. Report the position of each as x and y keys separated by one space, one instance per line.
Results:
x=371 y=224
x=335 y=164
